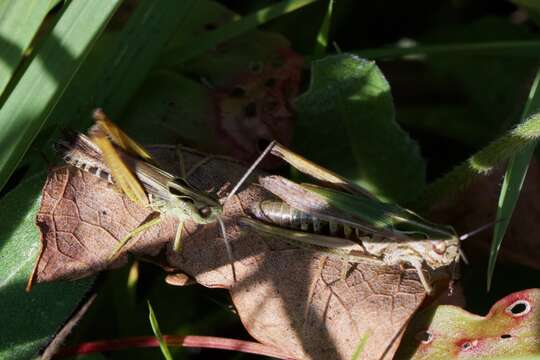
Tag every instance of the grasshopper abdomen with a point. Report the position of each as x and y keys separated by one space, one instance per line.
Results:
x=280 y=213
x=74 y=156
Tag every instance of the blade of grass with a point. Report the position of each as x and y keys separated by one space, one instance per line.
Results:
x=322 y=37
x=209 y=41
x=527 y=48
x=119 y=62
x=26 y=109
x=19 y=23
x=157 y=332
x=512 y=184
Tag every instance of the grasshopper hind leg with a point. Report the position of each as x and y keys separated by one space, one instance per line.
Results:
x=186 y=173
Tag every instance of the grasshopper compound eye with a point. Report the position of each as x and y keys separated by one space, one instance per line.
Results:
x=205 y=212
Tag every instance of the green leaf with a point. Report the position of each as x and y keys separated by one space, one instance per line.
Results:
x=201 y=44
x=29 y=320
x=346 y=123
x=26 y=109
x=120 y=61
x=478 y=116
x=164 y=98
x=322 y=37
x=19 y=23
x=513 y=179
x=155 y=328
x=116 y=67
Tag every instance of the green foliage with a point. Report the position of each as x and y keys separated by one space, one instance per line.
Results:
x=322 y=36
x=200 y=45
x=155 y=328
x=30 y=319
x=25 y=18
x=26 y=109
x=346 y=123
x=515 y=174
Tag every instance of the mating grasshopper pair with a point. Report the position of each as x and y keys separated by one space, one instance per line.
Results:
x=322 y=218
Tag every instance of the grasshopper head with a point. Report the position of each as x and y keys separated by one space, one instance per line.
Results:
x=442 y=252
x=208 y=211
x=194 y=204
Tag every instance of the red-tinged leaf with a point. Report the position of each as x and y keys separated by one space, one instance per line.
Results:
x=448 y=332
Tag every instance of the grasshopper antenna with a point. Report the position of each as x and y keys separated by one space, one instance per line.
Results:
x=227 y=246
x=480 y=229
x=250 y=170
x=472 y=233
x=231 y=194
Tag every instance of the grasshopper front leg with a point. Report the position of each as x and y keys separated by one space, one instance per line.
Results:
x=177 y=246
x=139 y=229
x=418 y=267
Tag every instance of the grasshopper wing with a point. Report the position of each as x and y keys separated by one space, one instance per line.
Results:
x=367 y=214
x=119 y=137
x=316 y=171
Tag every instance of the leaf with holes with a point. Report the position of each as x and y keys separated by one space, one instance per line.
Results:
x=315 y=313
x=509 y=329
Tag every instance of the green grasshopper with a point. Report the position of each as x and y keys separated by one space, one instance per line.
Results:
x=113 y=156
x=350 y=223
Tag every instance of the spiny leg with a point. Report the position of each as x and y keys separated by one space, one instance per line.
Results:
x=133 y=233
x=177 y=246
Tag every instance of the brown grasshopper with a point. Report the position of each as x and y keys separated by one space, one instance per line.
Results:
x=350 y=223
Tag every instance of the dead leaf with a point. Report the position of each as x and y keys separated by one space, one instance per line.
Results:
x=290 y=298
x=511 y=328
x=477 y=206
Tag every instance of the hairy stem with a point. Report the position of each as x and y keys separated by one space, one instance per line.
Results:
x=483 y=162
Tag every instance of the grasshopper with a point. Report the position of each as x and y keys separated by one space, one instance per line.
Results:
x=112 y=155
x=349 y=222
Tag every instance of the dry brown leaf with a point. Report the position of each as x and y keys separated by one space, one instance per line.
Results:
x=290 y=298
